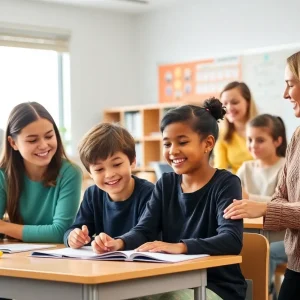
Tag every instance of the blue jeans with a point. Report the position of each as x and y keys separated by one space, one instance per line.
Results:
x=277 y=257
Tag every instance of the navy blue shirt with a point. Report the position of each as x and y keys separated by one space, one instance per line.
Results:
x=100 y=214
x=197 y=220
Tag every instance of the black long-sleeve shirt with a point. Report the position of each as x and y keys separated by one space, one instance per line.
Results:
x=197 y=220
x=100 y=214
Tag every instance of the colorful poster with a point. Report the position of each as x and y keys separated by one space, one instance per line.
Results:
x=198 y=80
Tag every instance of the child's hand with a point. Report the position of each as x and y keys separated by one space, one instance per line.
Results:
x=157 y=246
x=104 y=243
x=240 y=209
x=79 y=237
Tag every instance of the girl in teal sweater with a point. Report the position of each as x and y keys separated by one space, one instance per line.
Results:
x=39 y=187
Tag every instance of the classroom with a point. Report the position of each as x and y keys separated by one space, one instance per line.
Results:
x=102 y=106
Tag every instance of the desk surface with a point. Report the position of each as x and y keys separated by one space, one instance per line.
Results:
x=257 y=223
x=92 y=272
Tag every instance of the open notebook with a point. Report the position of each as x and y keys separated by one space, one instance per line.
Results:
x=87 y=253
x=22 y=247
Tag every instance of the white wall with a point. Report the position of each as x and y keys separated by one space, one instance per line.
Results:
x=102 y=52
x=114 y=56
x=198 y=29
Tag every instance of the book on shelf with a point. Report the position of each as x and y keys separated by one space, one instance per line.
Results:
x=87 y=253
x=139 y=154
x=132 y=122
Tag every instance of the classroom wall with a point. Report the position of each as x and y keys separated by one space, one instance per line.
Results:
x=197 y=29
x=102 y=52
x=114 y=56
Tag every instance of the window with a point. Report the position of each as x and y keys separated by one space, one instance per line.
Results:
x=35 y=67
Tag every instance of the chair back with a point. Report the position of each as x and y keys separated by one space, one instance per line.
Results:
x=255 y=264
x=160 y=168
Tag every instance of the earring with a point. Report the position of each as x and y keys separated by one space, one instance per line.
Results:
x=205 y=151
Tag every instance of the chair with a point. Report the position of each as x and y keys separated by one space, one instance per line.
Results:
x=255 y=264
x=160 y=168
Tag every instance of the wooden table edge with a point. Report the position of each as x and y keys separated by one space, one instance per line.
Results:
x=207 y=262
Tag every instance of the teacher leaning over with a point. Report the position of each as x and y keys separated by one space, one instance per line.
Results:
x=283 y=212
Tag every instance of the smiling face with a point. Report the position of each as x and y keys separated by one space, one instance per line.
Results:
x=184 y=149
x=113 y=175
x=260 y=142
x=36 y=143
x=236 y=105
x=292 y=90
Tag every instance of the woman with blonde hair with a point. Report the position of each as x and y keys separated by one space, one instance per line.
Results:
x=283 y=212
x=231 y=150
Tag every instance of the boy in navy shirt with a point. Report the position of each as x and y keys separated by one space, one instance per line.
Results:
x=118 y=199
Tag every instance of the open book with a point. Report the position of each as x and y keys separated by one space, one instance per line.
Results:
x=22 y=247
x=87 y=253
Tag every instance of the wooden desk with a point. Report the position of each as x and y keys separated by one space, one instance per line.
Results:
x=26 y=278
x=257 y=226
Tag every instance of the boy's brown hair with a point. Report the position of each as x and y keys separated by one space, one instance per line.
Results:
x=103 y=141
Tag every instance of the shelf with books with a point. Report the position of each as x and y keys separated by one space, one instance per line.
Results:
x=151 y=122
x=133 y=123
x=113 y=117
x=156 y=137
x=144 y=169
x=152 y=152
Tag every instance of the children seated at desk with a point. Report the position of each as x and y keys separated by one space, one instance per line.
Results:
x=266 y=140
x=39 y=187
x=117 y=200
x=187 y=206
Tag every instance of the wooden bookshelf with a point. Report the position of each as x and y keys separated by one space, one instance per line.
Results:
x=143 y=122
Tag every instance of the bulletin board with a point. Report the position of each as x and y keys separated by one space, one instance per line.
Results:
x=261 y=69
x=198 y=80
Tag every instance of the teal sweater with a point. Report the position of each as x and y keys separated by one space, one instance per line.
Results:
x=47 y=212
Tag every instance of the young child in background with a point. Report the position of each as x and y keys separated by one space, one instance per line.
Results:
x=39 y=187
x=118 y=199
x=266 y=140
x=187 y=204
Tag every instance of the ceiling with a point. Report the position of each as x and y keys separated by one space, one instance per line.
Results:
x=130 y=6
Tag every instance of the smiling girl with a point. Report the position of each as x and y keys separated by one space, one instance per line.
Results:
x=231 y=150
x=39 y=187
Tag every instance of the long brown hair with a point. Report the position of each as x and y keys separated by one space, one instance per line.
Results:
x=12 y=162
x=251 y=111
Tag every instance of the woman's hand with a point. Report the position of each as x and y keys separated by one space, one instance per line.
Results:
x=240 y=209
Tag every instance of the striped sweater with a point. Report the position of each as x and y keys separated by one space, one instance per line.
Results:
x=283 y=212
